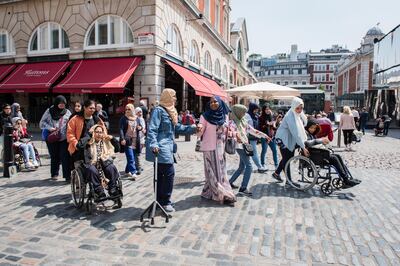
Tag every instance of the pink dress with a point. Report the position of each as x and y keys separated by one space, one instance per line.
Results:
x=216 y=185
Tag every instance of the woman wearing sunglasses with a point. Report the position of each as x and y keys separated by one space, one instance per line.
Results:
x=291 y=134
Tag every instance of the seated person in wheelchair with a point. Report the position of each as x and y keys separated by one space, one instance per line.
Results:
x=335 y=160
x=23 y=143
x=98 y=162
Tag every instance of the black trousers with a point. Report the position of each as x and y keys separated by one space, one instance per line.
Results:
x=347 y=133
x=386 y=128
x=110 y=173
x=286 y=155
x=165 y=183
x=59 y=155
x=337 y=161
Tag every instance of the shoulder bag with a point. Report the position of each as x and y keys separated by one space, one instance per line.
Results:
x=230 y=144
x=248 y=149
x=55 y=136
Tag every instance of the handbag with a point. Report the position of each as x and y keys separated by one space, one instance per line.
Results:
x=248 y=149
x=198 y=144
x=55 y=136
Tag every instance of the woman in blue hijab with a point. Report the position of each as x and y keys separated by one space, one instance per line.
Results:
x=212 y=131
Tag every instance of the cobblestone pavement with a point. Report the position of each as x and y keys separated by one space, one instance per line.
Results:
x=359 y=226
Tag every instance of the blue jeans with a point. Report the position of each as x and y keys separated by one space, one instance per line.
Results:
x=28 y=152
x=264 y=148
x=130 y=160
x=255 y=157
x=165 y=183
x=245 y=165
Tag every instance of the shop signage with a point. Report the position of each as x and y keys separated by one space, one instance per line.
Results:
x=19 y=91
x=145 y=38
x=86 y=91
x=36 y=73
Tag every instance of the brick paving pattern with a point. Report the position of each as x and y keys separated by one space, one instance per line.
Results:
x=278 y=226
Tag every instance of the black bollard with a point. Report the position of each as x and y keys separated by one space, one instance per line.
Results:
x=8 y=158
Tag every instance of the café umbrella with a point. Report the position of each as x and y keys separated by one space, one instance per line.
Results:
x=263 y=90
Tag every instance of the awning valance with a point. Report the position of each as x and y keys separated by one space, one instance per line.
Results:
x=33 y=77
x=5 y=70
x=103 y=75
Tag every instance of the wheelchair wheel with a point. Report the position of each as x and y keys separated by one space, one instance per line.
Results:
x=337 y=183
x=326 y=189
x=301 y=173
x=78 y=188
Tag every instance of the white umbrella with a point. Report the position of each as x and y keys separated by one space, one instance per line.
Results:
x=264 y=90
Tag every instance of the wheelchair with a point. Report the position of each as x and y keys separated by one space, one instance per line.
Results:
x=303 y=173
x=82 y=189
x=19 y=157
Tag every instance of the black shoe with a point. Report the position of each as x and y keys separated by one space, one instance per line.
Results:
x=230 y=203
x=233 y=186
x=262 y=171
x=101 y=195
x=245 y=192
x=296 y=185
x=277 y=177
x=138 y=172
x=114 y=192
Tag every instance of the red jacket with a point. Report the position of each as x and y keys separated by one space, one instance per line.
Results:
x=326 y=128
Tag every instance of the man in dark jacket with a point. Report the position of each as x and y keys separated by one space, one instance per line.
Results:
x=363 y=119
x=5 y=117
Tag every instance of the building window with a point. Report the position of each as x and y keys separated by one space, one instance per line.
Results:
x=194 y=52
x=174 y=41
x=109 y=32
x=207 y=61
x=303 y=82
x=278 y=82
x=286 y=83
x=225 y=73
x=217 y=15
x=7 y=46
x=207 y=9
x=239 y=52
x=282 y=72
x=49 y=38
x=294 y=82
x=217 y=68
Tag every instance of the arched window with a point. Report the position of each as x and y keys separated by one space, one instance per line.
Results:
x=217 y=68
x=231 y=78
x=7 y=46
x=194 y=52
x=49 y=37
x=225 y=73
x=109 y=32
x=239 y=52
x=207 y=61
x=174 y=41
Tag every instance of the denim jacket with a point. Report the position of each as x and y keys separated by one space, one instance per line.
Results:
x=161 y=135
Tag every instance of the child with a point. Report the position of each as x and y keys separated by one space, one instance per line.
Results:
x=22 y=142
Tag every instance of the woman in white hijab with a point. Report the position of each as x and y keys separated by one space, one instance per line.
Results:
x=291 y=134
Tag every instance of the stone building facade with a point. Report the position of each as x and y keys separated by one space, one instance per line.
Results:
x=193 y=34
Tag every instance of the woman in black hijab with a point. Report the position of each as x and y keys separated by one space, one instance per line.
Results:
x=54 y=126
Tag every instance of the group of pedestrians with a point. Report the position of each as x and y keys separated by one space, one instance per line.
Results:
x=82 y=135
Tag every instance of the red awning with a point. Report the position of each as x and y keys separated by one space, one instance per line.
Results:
x=104 y=75
x=191 y=78
x=213 y=86
x=5 y=70
x=202 y=85
x=33 y=77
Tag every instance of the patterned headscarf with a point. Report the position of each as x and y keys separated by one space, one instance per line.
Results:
x=167 y=101
x=238 y=115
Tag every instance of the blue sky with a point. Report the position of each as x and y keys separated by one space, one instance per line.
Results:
x=273 y=25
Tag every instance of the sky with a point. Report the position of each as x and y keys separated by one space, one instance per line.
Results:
x=274 y=25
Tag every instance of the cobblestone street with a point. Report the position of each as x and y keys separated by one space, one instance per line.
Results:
x=359 y=226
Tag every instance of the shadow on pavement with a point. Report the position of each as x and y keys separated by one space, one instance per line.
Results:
x=196 y=201
x=34 y=183
x=279 y=190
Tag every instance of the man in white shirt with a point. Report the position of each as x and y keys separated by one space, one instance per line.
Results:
x=356 y=116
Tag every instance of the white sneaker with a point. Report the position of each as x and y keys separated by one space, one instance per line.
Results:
x=131 y=176
x=28 y=165
x=36 y=164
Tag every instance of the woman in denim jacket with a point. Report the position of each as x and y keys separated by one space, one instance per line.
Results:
x=160 y=141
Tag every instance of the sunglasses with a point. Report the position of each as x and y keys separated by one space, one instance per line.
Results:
x=98 y=132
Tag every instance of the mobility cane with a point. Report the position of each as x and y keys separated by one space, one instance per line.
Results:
x=151 y=210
